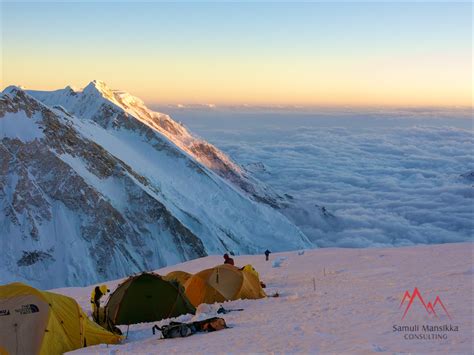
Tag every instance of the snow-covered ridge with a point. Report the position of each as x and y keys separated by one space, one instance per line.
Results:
x=115 y=109
x=89 y=193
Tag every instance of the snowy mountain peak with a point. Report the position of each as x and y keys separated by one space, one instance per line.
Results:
x=98 y=84
x=15 y=99
x=128 y=188
x=98 y=87
x=12 y=89
x=70 y=89
x=119 y=110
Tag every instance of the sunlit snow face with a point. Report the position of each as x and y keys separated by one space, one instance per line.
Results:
x=391 y=179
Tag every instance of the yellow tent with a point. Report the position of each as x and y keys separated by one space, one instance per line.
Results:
x=250 y=268
x=40 y=322
x=180 y=276
x=222 y=283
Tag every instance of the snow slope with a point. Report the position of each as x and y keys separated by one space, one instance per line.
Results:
x=352 y=308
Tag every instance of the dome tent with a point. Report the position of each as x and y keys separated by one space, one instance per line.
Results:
x=180 y=276
x=40 y=322
x=223 y=283
x=146 y=297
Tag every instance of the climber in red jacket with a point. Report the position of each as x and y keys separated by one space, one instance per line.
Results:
x=228 y=259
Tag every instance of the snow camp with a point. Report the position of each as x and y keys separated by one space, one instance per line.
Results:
x=327 y=297
x=236 y=177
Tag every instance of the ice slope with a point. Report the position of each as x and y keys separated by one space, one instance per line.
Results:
x=351 y=310
x=81 y=202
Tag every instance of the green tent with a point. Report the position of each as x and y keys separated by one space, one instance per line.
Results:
x=146 y=298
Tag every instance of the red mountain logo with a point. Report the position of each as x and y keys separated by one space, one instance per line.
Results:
x=429 y=307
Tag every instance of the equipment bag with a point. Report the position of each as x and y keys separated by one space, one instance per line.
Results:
x=181 y=330
x=175 y=330
x=210 y=325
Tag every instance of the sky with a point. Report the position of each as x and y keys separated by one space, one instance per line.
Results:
x=305 y=54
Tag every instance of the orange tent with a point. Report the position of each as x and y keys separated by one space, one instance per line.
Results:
x=223 y=283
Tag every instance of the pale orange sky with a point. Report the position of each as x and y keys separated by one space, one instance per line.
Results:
x=304 y=54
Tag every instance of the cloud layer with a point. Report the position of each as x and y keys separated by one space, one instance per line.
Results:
x=387 y=179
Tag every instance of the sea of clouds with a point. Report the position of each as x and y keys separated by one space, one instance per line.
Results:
x=385 y=178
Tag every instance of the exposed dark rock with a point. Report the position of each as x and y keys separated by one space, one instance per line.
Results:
x=32 y=257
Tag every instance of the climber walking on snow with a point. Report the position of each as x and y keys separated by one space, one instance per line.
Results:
x=267 y=254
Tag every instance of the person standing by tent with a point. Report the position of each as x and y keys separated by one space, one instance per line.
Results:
x=96 y=295
x=228 y=259
x=267 y=254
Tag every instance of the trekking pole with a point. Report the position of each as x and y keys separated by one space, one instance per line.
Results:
x=314 y=284
x=128 y=326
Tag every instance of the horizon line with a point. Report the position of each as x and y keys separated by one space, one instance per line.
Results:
x=183 y=105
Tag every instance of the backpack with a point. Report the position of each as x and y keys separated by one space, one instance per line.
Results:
x=175 y=330
x=181 y=330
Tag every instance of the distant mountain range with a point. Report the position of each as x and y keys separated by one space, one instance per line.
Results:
x=95 y=186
